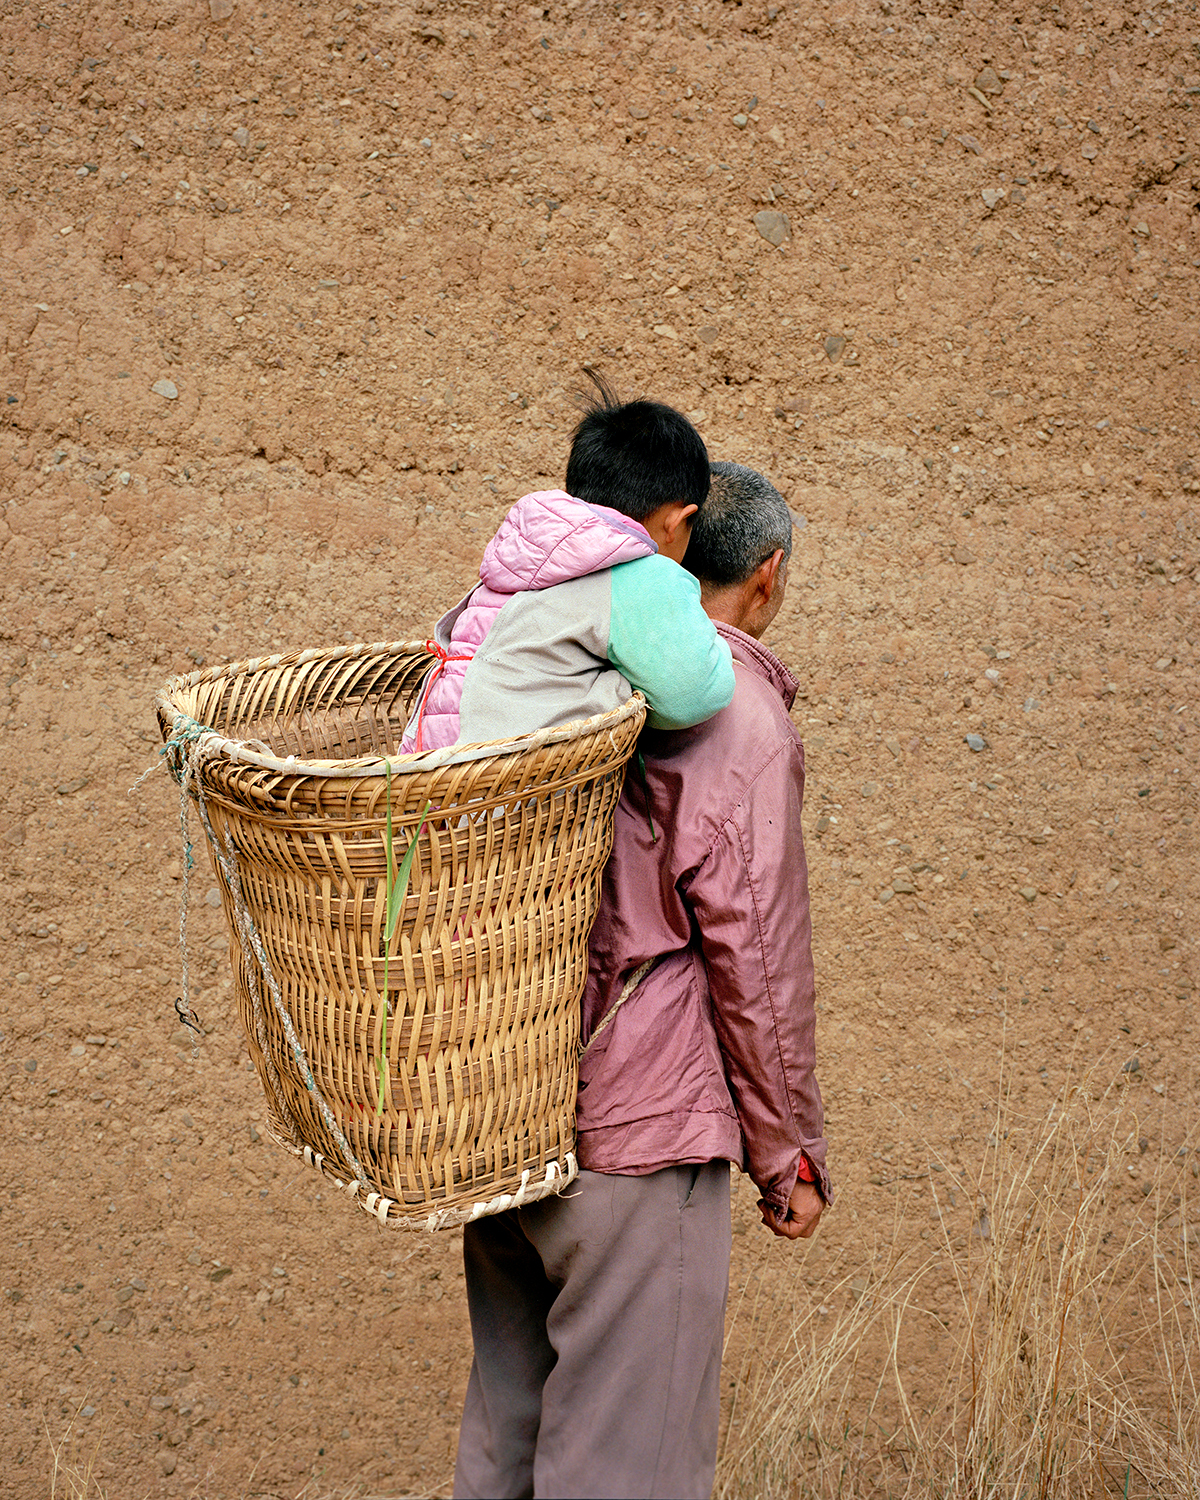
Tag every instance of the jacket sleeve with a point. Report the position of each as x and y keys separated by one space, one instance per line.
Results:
x=750 y=900
x=663 y=642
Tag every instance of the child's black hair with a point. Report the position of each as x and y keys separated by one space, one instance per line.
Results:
x=635 y=456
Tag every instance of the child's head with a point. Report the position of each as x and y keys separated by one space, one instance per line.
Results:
x=637 y=457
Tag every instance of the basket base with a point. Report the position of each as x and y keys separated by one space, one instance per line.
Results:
x=394 y=1215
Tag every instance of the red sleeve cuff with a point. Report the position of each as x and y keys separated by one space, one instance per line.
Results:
x=806 y=1172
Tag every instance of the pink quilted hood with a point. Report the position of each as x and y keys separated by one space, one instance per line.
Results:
x=548 y=537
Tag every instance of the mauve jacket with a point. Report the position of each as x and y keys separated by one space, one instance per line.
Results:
x=713 y=1055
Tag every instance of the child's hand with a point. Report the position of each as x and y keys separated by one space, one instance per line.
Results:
x=804 y=1211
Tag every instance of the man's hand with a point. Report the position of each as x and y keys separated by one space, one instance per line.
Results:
x=804 y=1210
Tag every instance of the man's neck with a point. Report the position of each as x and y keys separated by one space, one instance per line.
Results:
x=729 y=607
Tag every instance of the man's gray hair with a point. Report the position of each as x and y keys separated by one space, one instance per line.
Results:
x=744 y=520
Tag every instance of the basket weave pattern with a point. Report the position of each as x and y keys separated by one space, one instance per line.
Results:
x=488 y=960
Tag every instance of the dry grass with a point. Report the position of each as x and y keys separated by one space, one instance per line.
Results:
x=72 y=1465
x=1061 y=1317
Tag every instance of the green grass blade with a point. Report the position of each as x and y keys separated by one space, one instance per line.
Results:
x=388 y=832
x=387 y=935
x=396 y=890
x=400 y=888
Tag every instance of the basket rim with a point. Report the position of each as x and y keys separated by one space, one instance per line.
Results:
x=209 y=744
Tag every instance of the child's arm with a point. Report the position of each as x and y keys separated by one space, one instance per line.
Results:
x=663 y=642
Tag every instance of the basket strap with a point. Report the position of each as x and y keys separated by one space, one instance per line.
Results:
x=188 y=767
x=627 y=989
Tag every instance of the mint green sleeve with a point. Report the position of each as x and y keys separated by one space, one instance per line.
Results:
x=663 y=642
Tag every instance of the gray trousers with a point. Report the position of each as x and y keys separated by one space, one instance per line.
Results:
x=598 y=1319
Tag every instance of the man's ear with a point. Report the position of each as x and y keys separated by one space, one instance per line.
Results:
x=766 y=575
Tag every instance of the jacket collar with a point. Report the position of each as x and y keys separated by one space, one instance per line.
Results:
x=754 y=654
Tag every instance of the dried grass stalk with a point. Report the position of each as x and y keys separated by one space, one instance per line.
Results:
x=1069 y=1341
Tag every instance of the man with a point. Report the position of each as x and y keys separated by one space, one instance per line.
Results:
x=598 y=1316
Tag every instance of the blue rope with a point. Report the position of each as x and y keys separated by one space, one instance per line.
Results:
x=184 y=731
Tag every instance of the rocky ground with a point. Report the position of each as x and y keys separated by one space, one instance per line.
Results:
x=294 y=303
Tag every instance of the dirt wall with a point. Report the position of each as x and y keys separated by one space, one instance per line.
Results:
x=294 y=302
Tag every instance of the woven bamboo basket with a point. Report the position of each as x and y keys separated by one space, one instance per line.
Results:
x=289 y=762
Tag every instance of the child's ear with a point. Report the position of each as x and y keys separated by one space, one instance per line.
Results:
x=682 y=517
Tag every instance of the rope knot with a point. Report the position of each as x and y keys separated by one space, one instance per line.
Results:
x=435 y=648
x=185 y=731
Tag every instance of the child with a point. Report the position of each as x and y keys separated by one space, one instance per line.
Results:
x=582 y=597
